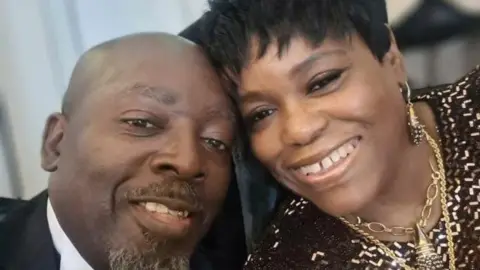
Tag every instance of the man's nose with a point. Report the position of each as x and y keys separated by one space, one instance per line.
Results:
x=180 y=156
x=301 y=126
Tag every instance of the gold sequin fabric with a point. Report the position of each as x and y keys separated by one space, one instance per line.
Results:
x=303 y=237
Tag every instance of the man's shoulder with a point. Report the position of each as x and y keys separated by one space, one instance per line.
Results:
x=15 y=215
x=8 y=205
x=12 y=213
x=18 y=209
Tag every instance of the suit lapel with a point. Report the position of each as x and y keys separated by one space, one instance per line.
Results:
x=30 y=242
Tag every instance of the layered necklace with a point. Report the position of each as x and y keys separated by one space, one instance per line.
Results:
x=426 y=257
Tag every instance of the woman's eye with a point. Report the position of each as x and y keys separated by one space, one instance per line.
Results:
x=260 y=115
x=322 y=83
x=139 y=123
x=216 y=144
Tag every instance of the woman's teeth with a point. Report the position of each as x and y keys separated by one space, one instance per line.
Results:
x=332 y=159
x=162 y=209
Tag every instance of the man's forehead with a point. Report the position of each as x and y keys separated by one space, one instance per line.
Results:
x=166 y=96
x=145 y=56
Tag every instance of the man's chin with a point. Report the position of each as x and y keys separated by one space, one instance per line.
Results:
x=154 y=254
x=127 y=260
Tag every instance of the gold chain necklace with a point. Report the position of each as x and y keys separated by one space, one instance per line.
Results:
x=432 y=193
x=427 y=258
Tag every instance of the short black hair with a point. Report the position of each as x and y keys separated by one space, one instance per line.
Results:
x=229 y=26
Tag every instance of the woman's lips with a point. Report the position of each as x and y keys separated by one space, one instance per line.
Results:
x=329 y=169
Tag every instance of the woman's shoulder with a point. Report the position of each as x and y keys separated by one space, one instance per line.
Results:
x=456 y=106
x=462 y=92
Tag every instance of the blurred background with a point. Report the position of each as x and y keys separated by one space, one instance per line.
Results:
x=40 y=41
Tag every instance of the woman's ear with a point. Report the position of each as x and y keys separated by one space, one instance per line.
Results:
x=394 y=59
x=52 y=137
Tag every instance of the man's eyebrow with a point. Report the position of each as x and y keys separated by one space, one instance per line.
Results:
x=169 y=97
x=161 y=94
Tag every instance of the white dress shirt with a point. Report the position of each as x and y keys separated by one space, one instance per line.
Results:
x=70 y=259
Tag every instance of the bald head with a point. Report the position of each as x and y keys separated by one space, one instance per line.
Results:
x=103 y=63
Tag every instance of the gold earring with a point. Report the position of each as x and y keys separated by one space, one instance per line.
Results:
x=416 y=128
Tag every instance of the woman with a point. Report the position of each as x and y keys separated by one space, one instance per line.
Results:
x=379 y=176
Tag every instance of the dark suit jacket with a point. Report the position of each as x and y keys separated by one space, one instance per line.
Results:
x=26 y=242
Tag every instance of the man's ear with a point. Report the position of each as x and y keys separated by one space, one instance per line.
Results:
x=52 y=137
x=394 y=59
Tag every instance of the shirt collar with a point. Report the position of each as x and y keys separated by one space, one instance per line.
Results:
x=70 y=259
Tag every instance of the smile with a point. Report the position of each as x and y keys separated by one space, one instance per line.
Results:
x=161 y=209
x=165 y=216
x=336 y=156
x=327 y=169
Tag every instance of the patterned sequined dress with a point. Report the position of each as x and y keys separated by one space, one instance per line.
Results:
x=302 y=237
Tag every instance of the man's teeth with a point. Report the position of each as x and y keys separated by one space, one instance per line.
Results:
x=162 y=209
x=335 y=156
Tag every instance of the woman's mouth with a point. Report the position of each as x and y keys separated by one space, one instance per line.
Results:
x=327 y=170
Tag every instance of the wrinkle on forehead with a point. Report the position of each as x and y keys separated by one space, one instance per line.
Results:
x=162 y=95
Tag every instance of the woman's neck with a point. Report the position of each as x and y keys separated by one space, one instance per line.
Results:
x=401 y=201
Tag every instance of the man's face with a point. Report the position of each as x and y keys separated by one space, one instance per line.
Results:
x=144 y=164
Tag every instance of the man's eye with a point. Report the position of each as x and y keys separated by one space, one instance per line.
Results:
x=139 y=123
x=216 y=144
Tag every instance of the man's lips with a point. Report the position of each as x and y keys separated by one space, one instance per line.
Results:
x=165 y=216
x=170 y=203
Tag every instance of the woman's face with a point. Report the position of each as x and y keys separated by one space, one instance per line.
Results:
x=327 y=121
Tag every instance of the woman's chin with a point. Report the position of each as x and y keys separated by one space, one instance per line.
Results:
x=340 y=205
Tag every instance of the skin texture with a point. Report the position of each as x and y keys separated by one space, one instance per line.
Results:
x=144 y=118
x=307 y=102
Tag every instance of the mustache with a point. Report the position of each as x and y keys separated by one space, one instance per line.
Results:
x=172 y=189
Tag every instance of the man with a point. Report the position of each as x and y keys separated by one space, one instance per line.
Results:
x=140 y=165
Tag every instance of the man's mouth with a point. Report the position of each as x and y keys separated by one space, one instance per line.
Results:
x=165 y=216
x=158 y=208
